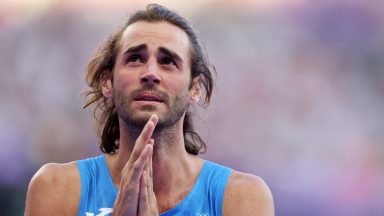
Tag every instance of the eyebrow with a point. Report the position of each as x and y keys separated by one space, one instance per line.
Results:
x=170 y=53
x=137 y=48
x=164 y=50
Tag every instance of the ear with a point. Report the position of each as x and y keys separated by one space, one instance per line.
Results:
x=106 y=85
x=195 y=91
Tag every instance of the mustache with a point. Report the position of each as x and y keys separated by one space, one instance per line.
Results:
x=164 y=96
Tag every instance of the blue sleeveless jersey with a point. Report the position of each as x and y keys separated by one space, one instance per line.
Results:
x=98 y=193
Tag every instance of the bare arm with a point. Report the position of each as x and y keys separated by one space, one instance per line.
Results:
x=54 y=190
x=247 y=194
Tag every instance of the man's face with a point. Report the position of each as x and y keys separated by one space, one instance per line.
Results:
x=152 y=74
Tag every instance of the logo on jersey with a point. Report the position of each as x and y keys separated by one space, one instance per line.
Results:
x=103 y=212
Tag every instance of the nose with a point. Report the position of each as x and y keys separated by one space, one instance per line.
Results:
x=151 y=76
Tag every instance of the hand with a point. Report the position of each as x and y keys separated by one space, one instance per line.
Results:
x=147 y=198
x=135 y=196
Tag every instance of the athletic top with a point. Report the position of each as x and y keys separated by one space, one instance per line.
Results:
x=98 y=192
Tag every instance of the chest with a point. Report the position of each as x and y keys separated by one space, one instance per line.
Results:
x=167 y=202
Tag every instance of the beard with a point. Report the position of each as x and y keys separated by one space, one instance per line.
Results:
x=136 y=119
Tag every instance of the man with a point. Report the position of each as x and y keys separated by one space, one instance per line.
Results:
x=143 y=80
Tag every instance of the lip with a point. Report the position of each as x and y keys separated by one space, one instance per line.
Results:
x=148 y=97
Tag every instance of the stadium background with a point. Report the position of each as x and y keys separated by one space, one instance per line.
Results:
x=299 y=97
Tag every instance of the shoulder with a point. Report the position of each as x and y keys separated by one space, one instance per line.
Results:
x=247 y=194
x=54 y=190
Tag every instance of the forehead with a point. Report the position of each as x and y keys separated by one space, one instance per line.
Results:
x=156 y=34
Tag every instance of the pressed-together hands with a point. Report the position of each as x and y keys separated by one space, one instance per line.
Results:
x=136 y=196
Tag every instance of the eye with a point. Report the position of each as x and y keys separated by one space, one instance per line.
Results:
x=134 y=58
x=167 y=61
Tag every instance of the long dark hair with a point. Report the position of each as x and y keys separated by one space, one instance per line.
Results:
x=103 y=62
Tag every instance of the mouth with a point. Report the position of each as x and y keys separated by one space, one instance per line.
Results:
x=148 y=97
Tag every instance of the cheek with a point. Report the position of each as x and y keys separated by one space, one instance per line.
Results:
x=179 y=81
x=178 y=86
x=122 y=82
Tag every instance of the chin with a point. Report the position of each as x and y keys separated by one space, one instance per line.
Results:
x=139 y=119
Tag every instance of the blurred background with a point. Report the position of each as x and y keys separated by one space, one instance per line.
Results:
x=299 y=97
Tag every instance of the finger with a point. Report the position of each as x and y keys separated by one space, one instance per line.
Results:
x=130 y=185
x=154 y=118
x=147 y=164
x=151 y=194
x=143 y=194
x=144 y=137
x=149 y=174
x=151 y=142
x=140 y=163
x=149 y=128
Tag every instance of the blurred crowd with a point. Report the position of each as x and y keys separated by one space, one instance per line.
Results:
x=299 y=95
